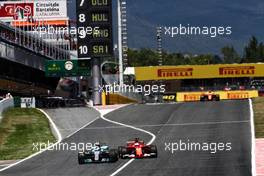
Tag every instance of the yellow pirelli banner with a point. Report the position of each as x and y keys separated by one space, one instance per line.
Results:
x=224 y=95
x=199 y=71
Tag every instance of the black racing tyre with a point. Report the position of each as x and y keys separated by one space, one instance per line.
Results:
x=119 y=151
x=122 y=151
x=216 y=98
x=113 y=155
x=80 y=159
x=153 y=149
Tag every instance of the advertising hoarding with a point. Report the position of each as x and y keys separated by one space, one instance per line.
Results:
x=199 y=72
x=29 y=11
x=67 y=68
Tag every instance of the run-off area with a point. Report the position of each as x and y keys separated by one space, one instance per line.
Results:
x=206 y=122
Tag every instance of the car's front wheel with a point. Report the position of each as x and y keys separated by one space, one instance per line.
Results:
x=153 y=149
x=122 y=151
x=80 y=159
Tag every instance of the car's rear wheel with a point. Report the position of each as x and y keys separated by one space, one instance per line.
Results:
x=203 y=98
x=216 y=98
x=119 y=151
x=113 y=155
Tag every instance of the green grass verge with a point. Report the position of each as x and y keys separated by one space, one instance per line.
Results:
x=258 y=104
x=19 y=129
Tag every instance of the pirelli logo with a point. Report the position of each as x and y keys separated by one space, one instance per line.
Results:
x=242 y=95
x=191 y=97
x=175 y=72
x=243 y=70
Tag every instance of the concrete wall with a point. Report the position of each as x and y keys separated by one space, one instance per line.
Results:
x=4 y=104
x=133 y=96
x=112 y=99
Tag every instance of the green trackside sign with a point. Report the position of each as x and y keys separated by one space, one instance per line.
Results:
x=67 y=68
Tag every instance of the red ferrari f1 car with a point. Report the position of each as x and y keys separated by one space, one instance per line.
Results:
x=136 y=148
x=210 y=96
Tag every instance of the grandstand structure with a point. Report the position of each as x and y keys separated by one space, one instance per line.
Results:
x=22 y=61
x=23 y=51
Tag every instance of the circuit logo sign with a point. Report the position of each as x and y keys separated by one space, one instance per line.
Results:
x=245 y=70
x=17 y=11
x=175 y=72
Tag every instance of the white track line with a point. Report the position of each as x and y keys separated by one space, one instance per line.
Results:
x=35 y=154
x=253 y=145
x=134 y=128
x=53 y=125
x=167 y=125
x=83 y=127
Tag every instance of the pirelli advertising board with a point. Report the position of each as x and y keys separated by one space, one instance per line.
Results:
x=199 y=72
x=224 y=95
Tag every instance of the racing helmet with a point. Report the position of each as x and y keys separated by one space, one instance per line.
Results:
x=97 y=146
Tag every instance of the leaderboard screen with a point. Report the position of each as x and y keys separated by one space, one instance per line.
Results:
x=97 y=15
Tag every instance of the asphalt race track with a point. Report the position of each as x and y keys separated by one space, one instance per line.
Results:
x=205 y=122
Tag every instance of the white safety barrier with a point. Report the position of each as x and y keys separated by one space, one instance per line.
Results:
x=4 y=104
